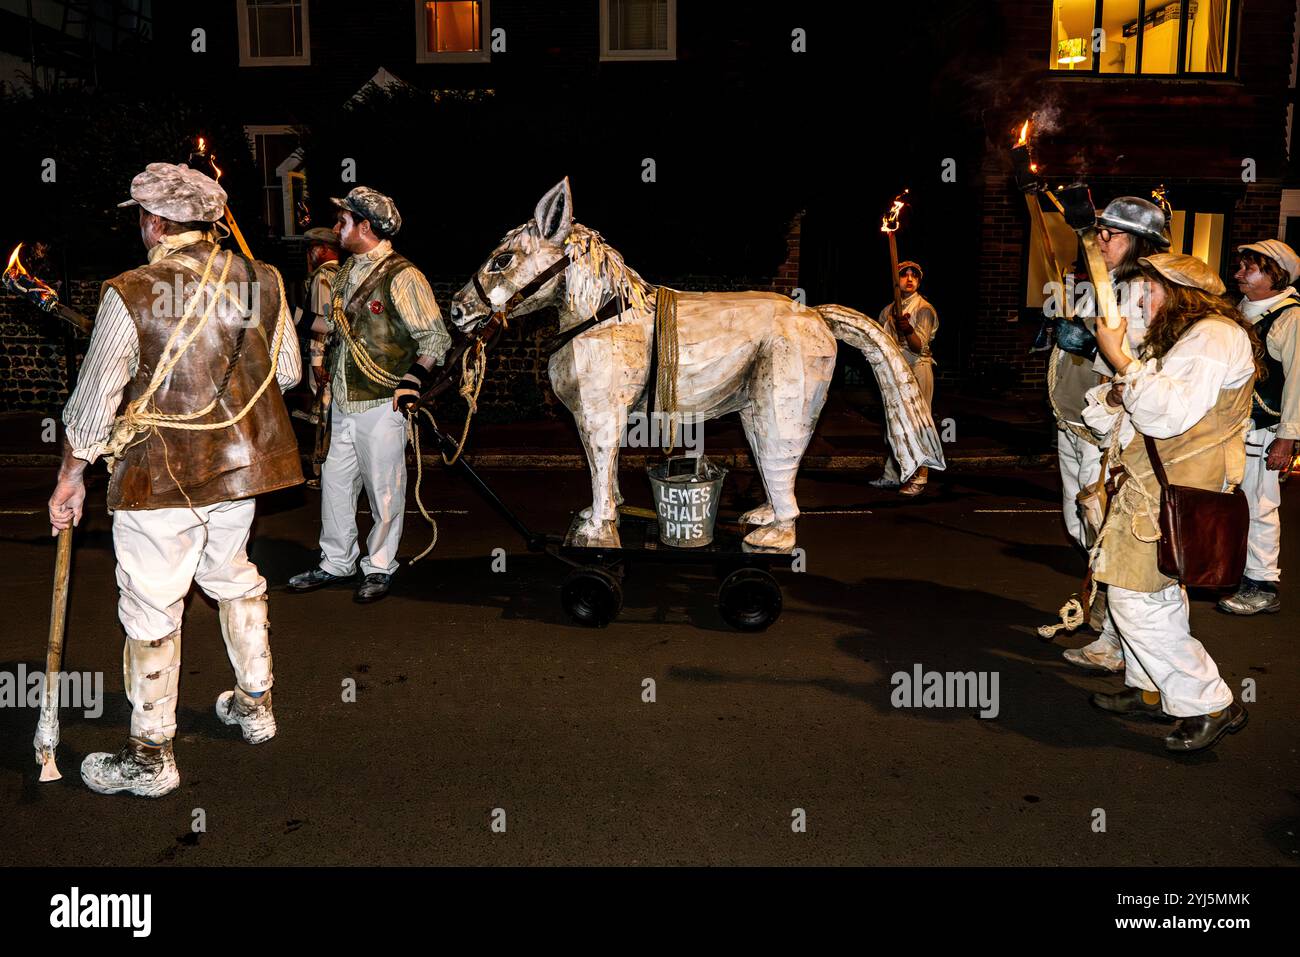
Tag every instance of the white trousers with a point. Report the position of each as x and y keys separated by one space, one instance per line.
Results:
x=1161 y=654
x=1264 y=493
x=367 y=450
x=1080 y=464
x=160 y=553
x=924 y=373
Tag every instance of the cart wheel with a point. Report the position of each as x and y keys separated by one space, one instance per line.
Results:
x=591 y=596
x=749 y=599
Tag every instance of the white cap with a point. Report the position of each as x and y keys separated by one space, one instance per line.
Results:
x=1280 y=253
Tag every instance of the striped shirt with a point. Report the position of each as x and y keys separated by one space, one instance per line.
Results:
x=114 y=355
x=416 y=307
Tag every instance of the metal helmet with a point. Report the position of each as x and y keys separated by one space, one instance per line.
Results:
x=1133 y=214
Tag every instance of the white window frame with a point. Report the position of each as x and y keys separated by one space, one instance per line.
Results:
x=615 y=55
x=246 y=57
x=284 y=171
x=483 y=55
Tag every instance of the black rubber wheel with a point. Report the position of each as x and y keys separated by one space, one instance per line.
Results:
x=591 y=596
x=749 y=599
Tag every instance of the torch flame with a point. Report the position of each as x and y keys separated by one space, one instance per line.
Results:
x=213 y=160
x=889 y=222
x=203 y=144
x=15 y=263
x=1024 y=134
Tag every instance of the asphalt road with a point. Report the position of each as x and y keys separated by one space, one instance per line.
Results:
x=475 y=693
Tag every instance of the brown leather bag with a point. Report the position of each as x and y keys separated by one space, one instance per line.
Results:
x=1202 y=533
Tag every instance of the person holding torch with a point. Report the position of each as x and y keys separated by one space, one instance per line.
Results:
x=180 y=393
x=1185 y=398
x=913 y=330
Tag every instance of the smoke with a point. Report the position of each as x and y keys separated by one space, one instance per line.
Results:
x=1047 y=118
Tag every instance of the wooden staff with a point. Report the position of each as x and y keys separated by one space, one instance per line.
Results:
x=47 y=726
x=893 y=271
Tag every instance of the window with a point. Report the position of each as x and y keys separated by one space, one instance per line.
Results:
x=1198 y=234
x=273 y=33
x=452 y=31
x=1148 y=37
x=638 y=29
x=279 y=162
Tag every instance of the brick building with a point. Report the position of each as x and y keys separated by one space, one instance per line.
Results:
x=1126 y=95
x=1195 y=96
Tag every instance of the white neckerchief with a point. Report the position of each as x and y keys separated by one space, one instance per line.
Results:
x=169 y=244
x=1253 y=310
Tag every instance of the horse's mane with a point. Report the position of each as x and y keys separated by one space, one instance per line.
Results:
x=596 y=271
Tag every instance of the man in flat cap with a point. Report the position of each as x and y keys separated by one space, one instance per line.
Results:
x=914 y=330
x=391 y=335
x=180 y=393
x=1265 y=273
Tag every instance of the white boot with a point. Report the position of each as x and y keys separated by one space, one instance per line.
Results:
x=1105 y=654
x=253 y=715
x=141 y=768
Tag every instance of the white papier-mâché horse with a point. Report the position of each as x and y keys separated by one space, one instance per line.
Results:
x=761 y=354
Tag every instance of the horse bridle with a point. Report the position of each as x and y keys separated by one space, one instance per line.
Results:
x=523 y=293
x=497 y=318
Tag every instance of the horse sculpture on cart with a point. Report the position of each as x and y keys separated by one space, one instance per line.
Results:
x=760 y=354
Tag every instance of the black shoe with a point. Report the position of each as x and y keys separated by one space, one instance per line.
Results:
x=1204 y=730
x=373 y=588
x=1130 y=704
x=316 y=578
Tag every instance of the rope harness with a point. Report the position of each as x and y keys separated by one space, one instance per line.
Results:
x=140 y=418
x=665 y=383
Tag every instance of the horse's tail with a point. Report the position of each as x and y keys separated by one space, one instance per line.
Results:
x=908 y=421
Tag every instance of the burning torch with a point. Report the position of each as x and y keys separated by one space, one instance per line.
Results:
x=889 y=224
x=20 y=282
x=1074 y=203
x=201 y=151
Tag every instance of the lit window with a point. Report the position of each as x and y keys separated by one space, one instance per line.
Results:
x=638 y=29
x=451 y=31
x=273 y=33
x=1199 y=235
x=1153 y=37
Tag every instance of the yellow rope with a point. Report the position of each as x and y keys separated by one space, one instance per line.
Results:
x=666 y=337
x=369 y=368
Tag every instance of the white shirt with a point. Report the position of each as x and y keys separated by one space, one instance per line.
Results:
x=113 y=356
x=1166 y=397
x=1283 y=344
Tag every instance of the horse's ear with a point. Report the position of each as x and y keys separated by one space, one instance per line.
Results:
x=554 y=213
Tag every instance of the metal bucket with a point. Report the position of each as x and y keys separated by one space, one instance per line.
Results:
x=687 y=490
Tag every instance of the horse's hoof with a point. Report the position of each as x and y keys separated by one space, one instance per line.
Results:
x=596 y=535
x=763 y=515
x=776 y=537
x=585 y=514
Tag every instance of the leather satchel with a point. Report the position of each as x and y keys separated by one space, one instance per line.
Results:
x=1202 y=533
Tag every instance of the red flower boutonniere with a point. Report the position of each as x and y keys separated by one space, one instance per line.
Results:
x=376 y=306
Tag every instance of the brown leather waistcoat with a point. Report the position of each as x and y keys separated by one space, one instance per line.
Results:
x=170 y=468
x=379 y=330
